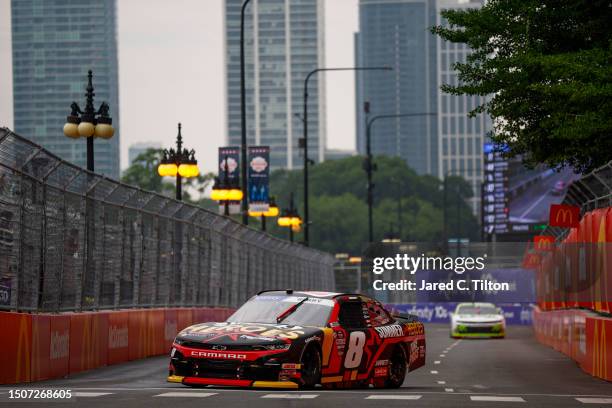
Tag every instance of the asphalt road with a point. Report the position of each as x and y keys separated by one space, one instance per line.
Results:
x=516 y=371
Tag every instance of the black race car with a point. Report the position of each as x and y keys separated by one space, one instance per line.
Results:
x=287 y=339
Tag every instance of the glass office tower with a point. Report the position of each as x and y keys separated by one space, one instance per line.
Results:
x=396 y=33
x=283 y=43
x=55 y=43
x=460 y=138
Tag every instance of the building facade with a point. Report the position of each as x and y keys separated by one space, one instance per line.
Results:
x=460 y=138
x=54 y=44
x=283 y=42
x=395 y=33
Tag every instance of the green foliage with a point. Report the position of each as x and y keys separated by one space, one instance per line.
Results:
x=404 y=203
x=546 y=67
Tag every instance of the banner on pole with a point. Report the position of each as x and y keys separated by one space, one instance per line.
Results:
x=259 y=178
x=229 y=174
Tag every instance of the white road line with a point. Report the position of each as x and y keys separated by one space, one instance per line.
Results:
x=437 y=362
x=393 y=397
x=487 y=398
x=441 y=382
x=449 y=390
x=90 y=394
x=433 y=372
x=291 y=396
x=442 y=355
x=532 y=206
x=595 y=400
x=187 y=394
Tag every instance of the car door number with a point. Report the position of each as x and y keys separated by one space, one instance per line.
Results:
x=354 y=352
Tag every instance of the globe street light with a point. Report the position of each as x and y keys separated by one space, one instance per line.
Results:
x=272 y=212
x=90 y=123
x=179 y=163
x=226 y=190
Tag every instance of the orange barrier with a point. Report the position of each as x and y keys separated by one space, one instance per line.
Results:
x=583 y=336
x=36 y=347
x=577 y=272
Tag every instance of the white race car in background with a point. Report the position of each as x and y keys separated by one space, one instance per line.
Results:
x=478 y=320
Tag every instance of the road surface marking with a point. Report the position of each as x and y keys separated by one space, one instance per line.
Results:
x=291 y=396
x=90 y=394
x=442 y=355
x=433 y=372
x=437 y=362
x=595 y=400
x=393 y=397
x=187 y=394
x=487 y=398
x=449 y=390
x=441 y=382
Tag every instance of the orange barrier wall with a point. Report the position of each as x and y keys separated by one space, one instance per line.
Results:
x=37 y=347
x=583 y=336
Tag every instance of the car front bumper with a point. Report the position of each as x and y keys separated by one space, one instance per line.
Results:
x=474 y=330
x=194 y=381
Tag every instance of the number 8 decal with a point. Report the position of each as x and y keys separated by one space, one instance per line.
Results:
x=355 y=349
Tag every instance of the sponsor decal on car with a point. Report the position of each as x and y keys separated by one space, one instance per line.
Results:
x=380 y=371
x=395 y=330
x=381 y=363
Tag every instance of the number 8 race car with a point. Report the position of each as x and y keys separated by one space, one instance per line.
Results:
x=287 y=339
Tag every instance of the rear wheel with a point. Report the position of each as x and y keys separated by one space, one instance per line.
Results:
x=311 y=367
x=397 y=368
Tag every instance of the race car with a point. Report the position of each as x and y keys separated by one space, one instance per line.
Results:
x=287 y=339
x=478 y=320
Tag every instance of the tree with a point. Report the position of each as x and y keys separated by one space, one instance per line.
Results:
x=545 y=67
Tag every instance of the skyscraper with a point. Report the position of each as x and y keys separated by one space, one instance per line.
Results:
x=396 y=33
x=283 y=43
x=460 y=138
x=55 y=42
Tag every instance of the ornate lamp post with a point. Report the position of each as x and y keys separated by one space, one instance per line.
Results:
x=90 y=123
x=179 y=163
x=226 y=190
x=290 y=218
x=273 y=211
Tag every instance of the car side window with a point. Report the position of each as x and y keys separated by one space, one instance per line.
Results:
x=378 y=315
x=351 y=315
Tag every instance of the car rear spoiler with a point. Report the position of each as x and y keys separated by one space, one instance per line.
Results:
x=406 y=318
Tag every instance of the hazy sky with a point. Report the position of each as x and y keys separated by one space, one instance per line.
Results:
x=171 y=70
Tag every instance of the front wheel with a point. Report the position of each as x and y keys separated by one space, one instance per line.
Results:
x=397 y=368
x=311 y=367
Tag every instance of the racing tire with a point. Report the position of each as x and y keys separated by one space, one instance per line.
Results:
x=397 y=368
x=311 y=367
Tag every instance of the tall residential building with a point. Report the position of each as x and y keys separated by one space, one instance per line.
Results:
x=460 y=138
x=137 y=149
x=283 y=43
x=396 y=33
x=55 y=43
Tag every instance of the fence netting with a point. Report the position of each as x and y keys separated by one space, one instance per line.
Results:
x=74 y=240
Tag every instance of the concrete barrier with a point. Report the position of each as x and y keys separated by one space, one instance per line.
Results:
x=38 y=347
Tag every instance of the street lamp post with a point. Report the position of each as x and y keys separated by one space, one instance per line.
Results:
x=290 y=218
x=371 y=167
x=243 y=137
x=305 y=137
x=225 y=190
x=90 y=123
x=272 y=212
x=179 y=163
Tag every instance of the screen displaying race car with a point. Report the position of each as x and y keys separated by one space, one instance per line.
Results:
x=478 y=320
x=287 y=339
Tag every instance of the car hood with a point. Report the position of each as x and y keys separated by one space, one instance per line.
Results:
x=488 y=318
x=232 y=334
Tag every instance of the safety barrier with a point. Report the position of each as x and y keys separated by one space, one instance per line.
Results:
x=72 y=240
x=577 y=271
x=583 y=336
x=38 y=347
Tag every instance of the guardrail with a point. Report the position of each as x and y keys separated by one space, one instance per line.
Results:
x=72 y=240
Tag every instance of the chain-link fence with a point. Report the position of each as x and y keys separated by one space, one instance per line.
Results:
x=590 y=192
x=75 y=240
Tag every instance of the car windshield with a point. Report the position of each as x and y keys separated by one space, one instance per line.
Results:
x=267 y=308
x=477 y=310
